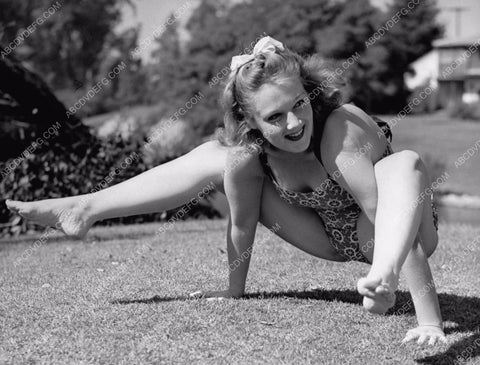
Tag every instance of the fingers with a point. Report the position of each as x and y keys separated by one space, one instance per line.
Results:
x=430 y=339
x=422 y=339
x=209 y=296
x=196 y=294
x=215 y=299
x=411 y=335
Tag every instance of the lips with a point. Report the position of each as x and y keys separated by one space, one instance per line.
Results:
x=297 y=135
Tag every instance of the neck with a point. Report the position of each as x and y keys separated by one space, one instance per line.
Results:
x=281 y=154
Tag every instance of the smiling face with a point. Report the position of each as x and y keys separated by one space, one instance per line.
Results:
x=283 y=114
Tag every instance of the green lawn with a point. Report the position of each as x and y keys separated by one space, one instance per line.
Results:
x=440 y=138
x=99 y=301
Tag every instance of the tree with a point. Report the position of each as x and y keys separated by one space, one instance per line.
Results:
x=337 y=30
x=67 y=47
x=221 y=29
x=26 y=100
x=347 y=34
x=405 y=41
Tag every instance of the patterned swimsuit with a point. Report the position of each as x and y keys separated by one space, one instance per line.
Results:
x=336 y=207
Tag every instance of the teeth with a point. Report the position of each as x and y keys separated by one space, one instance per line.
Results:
x=296 y=134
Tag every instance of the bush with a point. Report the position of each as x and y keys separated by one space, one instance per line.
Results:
x=59 y=171
x=436 y=168
x=465 y=111
x=423 y=103
x=133 y=122
x=169 y=141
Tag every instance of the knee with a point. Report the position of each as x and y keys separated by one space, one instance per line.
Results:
x=407 y=160
x=410 y=159
x=400 y=163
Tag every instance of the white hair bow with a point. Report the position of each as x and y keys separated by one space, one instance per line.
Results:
x=264 y=45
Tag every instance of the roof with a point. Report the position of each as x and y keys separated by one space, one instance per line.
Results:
x=457 y=42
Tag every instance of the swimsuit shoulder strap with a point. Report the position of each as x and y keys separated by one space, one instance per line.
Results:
x=266 y=167
x=387 y=131
x=320 y=125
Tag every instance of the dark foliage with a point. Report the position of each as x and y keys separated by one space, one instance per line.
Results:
x=69 y=161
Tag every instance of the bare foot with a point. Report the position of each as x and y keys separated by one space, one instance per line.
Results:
x=378 y=292
x=66 y=214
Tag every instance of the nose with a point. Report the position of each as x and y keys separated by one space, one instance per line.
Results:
x=292 y=121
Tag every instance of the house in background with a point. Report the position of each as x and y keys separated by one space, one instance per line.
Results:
x=452 y=69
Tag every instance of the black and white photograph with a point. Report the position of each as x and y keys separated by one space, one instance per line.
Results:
x=240 y=182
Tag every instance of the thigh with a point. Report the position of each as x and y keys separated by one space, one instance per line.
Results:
x=301 y=227
x=427 y=233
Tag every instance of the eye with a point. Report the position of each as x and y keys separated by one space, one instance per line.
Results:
x=274 y=117
x=300 y=103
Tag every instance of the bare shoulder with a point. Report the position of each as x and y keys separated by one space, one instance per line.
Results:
x=349 y=129
x=347 y=121
x=243 y=163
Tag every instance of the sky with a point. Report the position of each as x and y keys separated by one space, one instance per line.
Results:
x=152 y=14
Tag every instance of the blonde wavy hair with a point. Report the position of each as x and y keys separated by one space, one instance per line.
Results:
x=319 y=80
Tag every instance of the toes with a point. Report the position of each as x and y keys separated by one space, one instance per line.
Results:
x=366 y=287
x=366 y=292
x=383 y=289
x=381 y=297
x=19 y=208
x=388 y=295
x=13 y=205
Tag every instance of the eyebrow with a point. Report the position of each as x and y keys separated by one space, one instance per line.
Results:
x=276 y=110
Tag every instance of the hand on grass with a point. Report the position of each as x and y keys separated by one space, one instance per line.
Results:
x=212 y=295
x=429 y=334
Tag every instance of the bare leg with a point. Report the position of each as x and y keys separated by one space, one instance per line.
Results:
x=401 y=180
x=168 y=186
x=164 y=187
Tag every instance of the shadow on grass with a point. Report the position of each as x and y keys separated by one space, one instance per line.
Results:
x=465 y=312
x=58 y=237
x=461 y=310
x=347 y=296
x=97 y=236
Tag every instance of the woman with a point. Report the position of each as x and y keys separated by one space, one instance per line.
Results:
x=284 y=122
